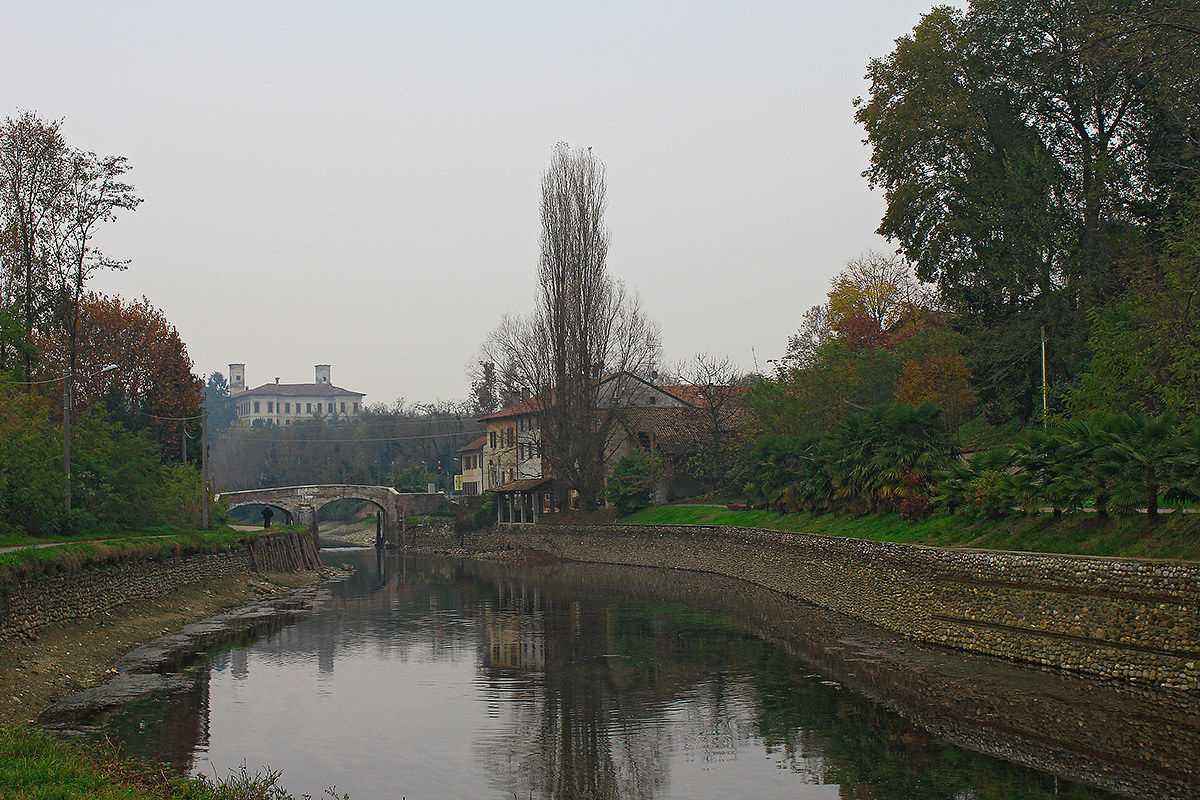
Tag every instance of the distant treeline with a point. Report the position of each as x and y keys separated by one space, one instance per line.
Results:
x=401 y=446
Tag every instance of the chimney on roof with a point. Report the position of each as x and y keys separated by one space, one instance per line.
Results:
x=277 y=381
x=323 y=373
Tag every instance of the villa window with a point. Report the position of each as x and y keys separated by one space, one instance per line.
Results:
x=270 y=408
x=343 y=407
x=255 y=410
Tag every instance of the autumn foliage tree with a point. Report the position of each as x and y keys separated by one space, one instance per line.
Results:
x=940 y=379
x=870 y=295
x=853 y=353
x=152 y=387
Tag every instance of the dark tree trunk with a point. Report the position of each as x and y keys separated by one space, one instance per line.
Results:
x=1151 y=493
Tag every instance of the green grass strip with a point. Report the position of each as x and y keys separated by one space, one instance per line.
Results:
x=1177 y=537
x=150 y=545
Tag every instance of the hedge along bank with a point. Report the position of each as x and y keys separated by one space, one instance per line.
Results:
x=1137 y=620
x=82 y=587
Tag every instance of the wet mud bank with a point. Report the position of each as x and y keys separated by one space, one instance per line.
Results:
x=162 y=666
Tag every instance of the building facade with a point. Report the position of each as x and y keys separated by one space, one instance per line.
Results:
x=652 y=417
x=469 y=479
x=287 y=403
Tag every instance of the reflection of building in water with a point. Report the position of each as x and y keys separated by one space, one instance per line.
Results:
x=513 y=636
x=570 y=729
x=325 y=655
x=513 y=642
x=239 y=664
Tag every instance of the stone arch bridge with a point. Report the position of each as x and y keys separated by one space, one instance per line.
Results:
x=301 y=503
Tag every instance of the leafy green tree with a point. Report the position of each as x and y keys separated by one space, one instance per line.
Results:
x=222 y=410
x=415 y=478
x=1027 y=151
x=1146 y=344
x=30 y=471
x=634 y=480
x=118 y=477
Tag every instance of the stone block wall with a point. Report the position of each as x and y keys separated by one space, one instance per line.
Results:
x=28 y=604
x=1132 y=619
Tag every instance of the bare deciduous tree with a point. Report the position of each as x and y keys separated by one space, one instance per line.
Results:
x=815 y=330
x=715 y=418
x=586 y=328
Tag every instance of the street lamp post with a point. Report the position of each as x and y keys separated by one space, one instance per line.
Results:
x=68 y=380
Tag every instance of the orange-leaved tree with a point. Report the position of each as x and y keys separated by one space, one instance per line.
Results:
x=940 y=379
x=152 y=387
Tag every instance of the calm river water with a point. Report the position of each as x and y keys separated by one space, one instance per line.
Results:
x=443 y=679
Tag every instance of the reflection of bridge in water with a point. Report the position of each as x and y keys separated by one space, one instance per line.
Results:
x=300 y=504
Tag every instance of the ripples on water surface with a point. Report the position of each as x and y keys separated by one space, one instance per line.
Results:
x=446 y=679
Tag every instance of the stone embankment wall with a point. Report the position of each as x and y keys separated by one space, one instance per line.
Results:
x=1138 y=620
x=29 y=603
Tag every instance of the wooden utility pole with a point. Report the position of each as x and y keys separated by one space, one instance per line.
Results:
x=67 y=397
x=1045 y=383
x=204 y=469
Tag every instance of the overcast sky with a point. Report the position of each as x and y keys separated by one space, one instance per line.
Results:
x=357 y=183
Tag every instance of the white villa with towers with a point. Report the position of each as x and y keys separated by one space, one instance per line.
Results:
x=284 y=403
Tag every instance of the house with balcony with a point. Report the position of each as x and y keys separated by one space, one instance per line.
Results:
x=658 y=418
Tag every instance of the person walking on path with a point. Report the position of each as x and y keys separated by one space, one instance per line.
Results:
x=267 y=514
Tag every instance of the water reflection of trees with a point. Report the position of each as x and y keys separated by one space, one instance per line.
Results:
x=600 y=680
x=571 y=727
x=627 y=685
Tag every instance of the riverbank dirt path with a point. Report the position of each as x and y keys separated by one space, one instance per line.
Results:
x=57 y=660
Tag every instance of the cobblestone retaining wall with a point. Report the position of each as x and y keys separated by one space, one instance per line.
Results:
x=30 y=603
x=1138 y=620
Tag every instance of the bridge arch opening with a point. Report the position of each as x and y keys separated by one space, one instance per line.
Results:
x=352 y=518
x=250 y=513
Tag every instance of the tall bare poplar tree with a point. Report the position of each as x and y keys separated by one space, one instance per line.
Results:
x=575 y=353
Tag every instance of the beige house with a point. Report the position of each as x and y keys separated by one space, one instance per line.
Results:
x=653 y=417
x=286 y=403
x=469 y=479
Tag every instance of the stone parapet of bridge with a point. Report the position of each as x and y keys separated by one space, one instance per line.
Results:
x=301 y=503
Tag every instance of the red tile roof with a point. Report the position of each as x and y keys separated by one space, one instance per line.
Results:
x=527 y=406
x=698 y=395
x=475 y=445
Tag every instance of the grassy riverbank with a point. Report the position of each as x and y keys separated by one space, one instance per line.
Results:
x=148 y=545
x=35 y=765
x=1176 y=537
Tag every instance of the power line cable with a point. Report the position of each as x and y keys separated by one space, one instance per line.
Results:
x=365 y=439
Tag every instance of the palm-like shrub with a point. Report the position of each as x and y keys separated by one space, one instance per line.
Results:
x=987 y=490
x=1148 y=446
x=899 y=458
x=873 y=461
